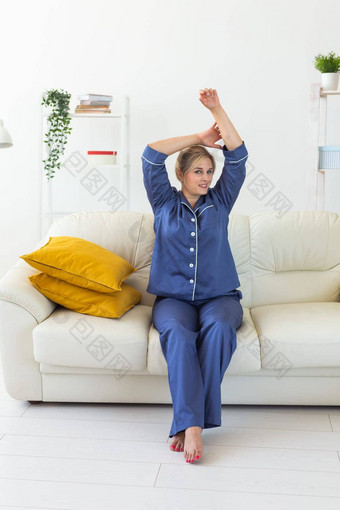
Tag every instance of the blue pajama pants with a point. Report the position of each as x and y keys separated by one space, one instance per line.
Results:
x=198 y=339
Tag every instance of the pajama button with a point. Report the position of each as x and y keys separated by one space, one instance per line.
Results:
x=192 y=249
x=191 y=281
x=192 y=233
x=192 y=219
x=191 y=265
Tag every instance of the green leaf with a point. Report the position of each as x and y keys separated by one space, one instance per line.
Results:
x=58 y=119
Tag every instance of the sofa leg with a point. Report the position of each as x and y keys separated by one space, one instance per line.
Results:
x=34 y=401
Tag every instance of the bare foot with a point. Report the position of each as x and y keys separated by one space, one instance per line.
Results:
x=193 y=444
x=178 y=442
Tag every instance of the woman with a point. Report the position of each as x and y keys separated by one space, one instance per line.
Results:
x=197 y=308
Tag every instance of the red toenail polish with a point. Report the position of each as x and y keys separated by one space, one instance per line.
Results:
x=197 y=457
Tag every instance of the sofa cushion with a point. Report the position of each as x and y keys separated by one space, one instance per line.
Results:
x=129 y=234
x=246 y=357
x=73 y=339
x=298 y=334
x=134 y=237
x=86 y=301
x=295 y=257
x=81 y=263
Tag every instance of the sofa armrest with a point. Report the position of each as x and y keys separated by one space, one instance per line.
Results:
x=22 y=306
x=16 y=288
x=21 y=372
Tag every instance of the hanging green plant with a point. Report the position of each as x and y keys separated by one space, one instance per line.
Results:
x=58 y=128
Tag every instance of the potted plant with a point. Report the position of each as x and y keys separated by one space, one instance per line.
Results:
x=328 y=65
x=58 y=128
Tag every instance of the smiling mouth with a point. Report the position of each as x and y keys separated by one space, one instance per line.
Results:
x=203 y=186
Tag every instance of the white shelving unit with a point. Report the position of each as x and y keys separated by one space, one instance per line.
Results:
x=80 y=185
x=318 y=118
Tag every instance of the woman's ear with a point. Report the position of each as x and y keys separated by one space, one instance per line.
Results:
x=179 y=175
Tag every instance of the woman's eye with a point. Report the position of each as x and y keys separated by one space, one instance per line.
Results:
x=199 y=171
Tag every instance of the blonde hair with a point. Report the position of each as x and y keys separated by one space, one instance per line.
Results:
x=189 y=157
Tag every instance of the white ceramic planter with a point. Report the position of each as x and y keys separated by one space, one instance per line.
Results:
x=329 y=81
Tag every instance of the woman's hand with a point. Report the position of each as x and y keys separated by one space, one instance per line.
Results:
x=209 y=137
x=226 y=130
x=209 y=98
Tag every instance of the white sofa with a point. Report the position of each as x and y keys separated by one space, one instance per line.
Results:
x=288 y=345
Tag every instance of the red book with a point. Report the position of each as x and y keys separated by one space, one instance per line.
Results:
x=110 y=153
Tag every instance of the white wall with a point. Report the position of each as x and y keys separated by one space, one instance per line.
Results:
x=257 y=53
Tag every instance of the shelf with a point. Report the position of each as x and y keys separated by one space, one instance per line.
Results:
x=329 y=169
x=115 y=176
x=58 y=213
x=66 y=213
x=95 y=165
x=101 y=115
x=317 y=174
x=97 y=115
x=329 y=92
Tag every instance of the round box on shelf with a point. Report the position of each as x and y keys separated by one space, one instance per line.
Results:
x=329 y=157
x=102 y=157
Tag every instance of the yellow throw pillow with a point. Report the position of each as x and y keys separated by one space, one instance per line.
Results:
x=82 y=263
x=86 y=301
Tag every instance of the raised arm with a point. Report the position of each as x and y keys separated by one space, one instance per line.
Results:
x=171 y=145
x=222 y=128
x=230 y=136
x=207 y=138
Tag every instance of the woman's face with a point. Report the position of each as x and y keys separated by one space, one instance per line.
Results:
x=198 y=179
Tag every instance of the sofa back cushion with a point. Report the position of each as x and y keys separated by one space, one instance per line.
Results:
x=130 y=234
x=287 y=259
x=127 y=233
x=295 y=258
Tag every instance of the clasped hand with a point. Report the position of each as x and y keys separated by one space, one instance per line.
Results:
x=210 y=100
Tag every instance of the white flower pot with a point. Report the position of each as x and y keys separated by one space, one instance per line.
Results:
x=329 y=81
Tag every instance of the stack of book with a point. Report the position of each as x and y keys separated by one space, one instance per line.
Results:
x=94 y=103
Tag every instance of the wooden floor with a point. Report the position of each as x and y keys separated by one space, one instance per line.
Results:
x=100 y=456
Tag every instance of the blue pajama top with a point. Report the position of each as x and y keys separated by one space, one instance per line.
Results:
x=191 y=258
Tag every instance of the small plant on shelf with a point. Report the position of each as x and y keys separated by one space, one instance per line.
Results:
x=327 y=63
x=59 y=120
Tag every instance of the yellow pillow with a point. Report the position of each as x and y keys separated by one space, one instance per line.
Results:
x=86 y=301
x=82 y=263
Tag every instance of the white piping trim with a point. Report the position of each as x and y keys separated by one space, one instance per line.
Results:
x=197 y=208
x=188 y=207
x=205 y=209
x=193 y=291
x=157 y=164
x=234 y=162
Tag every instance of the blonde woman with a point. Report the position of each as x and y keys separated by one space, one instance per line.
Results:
x=197 y=309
